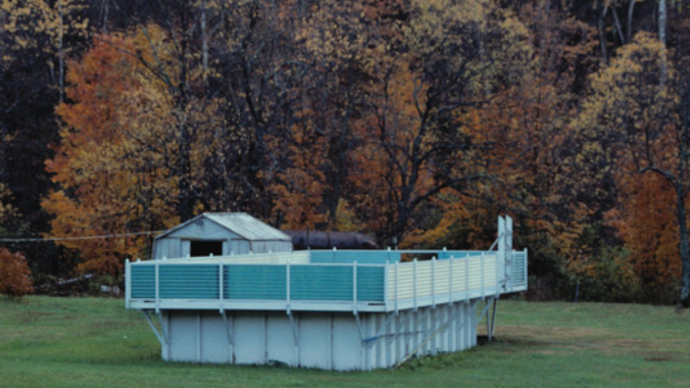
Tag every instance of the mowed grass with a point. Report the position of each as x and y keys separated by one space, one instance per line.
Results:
x=92 y=342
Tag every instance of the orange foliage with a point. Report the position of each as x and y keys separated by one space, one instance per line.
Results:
x=299 y=189
x=15 y=276
x=646 y=223
x=110 y=165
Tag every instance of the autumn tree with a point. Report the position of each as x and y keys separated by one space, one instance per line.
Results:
x=32 y=45
x=15 y=276
x=113 y=164
x=646 y=122
x=418 y=129
x=644 y=221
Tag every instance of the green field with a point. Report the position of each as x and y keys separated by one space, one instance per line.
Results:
x=91 y=342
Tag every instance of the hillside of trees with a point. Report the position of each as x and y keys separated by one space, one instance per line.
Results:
x=416 y=122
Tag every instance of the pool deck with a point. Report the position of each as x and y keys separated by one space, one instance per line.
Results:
x=336 y=281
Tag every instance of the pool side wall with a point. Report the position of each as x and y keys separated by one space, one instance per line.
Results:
x=323 y=340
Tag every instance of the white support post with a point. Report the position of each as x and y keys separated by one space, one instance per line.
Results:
x=354 y=286
x=508 y=266
x=162 y=338
x=229 y=323
x=501 y=254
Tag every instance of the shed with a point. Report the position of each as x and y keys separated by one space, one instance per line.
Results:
x=220 y=234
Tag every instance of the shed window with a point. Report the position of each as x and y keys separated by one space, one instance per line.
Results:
x=206 y=248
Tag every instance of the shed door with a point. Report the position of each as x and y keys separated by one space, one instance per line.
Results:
x=206 y=248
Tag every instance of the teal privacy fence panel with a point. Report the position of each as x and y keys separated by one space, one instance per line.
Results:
x=259 y=282
x=370 y=284
x=361 y=257
x=255 y=282
x=335 y=283
x=458 y=254
x=189 y=281
x=322 y=282
x=143 y=281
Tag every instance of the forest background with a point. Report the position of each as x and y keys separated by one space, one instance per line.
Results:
x=414 y=121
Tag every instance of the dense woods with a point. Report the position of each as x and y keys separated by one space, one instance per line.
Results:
x=416 y=122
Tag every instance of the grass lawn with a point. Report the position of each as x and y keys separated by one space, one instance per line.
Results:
x=92 y=342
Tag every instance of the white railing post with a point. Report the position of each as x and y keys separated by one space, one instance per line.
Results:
x=497 y=282
x=508 y=264
x=414 y=281
x=482 y=274
x=433 y=281
x=525 y=268
x=287 y=286
x=220 y=284
x=385 y=285
x=354 y=286
x=157 y=285
x=467 y=276
x=396 y=287
x=128 y=282
x=450 y=279
x=501 y=250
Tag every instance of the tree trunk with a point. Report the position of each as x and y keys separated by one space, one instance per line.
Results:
x=662 y=39
x=601 y=28
x=618 y=25
x=684 y=248
x=104 y=20
x=61 y=53
x=631 y=9
x=184 y=165
x=204 y=41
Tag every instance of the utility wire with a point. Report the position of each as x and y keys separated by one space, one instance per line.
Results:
x=105 y=236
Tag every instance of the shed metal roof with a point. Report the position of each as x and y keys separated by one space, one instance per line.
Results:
x=241 y=224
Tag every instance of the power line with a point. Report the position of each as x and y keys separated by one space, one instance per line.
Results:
x=105 y=236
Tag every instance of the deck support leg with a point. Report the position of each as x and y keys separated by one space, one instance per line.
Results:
x=493 y=320
x=294 y=324
x=359 y=326
x=431 y=337
x=295 y=328
x=490 y=317
x=379 y=333
x=230 y=336
x=162 y=335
